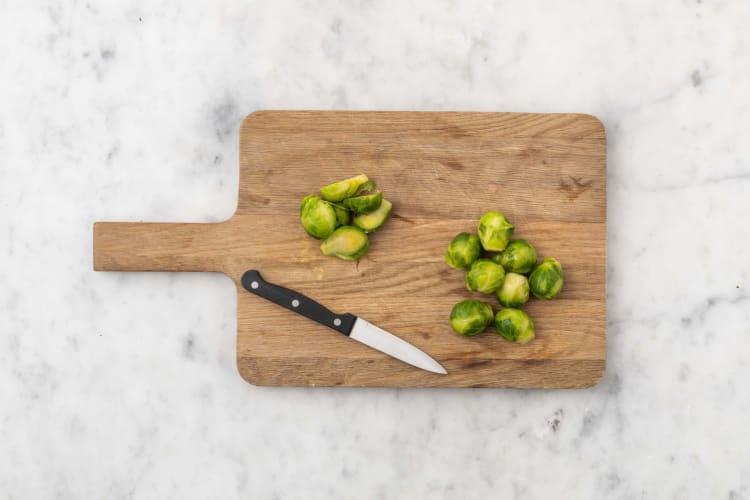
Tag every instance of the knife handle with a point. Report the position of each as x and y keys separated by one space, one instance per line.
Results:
x=294 y=301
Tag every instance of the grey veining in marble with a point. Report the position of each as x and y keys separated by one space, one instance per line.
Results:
x=124 y=385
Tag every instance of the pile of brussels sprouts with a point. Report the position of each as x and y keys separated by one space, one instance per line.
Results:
x=509 y=271
x=343 y=215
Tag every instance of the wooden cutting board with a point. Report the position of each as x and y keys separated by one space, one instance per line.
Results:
x=442 y=171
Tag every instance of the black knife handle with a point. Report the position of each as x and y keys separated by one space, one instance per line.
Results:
x=254 y=283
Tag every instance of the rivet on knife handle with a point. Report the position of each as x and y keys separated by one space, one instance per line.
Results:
x=294 y=301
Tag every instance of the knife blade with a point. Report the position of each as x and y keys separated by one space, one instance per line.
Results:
x=347 y=324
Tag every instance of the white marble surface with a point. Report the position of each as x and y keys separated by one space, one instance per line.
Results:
x=124 y=385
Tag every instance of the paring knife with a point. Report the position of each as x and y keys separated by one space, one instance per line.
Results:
x=348 y=324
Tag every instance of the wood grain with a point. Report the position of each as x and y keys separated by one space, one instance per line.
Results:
x=546 y=172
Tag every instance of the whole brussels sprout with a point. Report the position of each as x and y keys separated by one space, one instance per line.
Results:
x=518 y=257
x=470 y=317
x=514 y=325
x=485 y=276
x=343 y=189
x=317 y=217
x=372 y=221
x=365 y=203
x=346 y=242
x=494 y=231
x=546 y=280
x=343 y=217
x=463 y=250
x=515 y=290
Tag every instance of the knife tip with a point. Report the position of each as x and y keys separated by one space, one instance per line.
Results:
x=441 y=370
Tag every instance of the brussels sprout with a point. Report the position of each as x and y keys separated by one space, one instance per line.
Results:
x=494 y=231
x=485 y=276
x=317 y=217
x=518 y=257
x=515 y=290
x=364 y=204
x=547 y=279
x=343 y=217
x=463 y=250
x=372 y=221
x=514 y=325
x=343 y=189
x=346 y=242
x=470 y=317
x=367 y=186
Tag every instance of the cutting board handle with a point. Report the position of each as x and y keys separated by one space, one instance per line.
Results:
x=157 y=246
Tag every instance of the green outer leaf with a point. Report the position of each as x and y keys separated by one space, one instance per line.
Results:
x=494 y=257
x=343 y=216
x=364 y=204
x=367 y=186
x=305 y=200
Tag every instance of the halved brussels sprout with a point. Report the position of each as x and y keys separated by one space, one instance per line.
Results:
x=343 y=189
x=346 y=242
x=317 y=217
x=365 y=203
x=514 y=325
x=367 y=186
x=470 y=317
x=494 y=231
x=518 y=257
x=343 y=216
x=485 y=276
x=515 y=290
x=372 y=221
x=546 y=280
x=463 y=250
